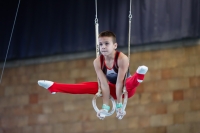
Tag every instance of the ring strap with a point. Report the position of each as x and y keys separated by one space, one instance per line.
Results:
x=104 y=106
x=119 y=105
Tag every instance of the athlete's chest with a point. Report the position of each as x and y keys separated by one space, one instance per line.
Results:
x=109 y=64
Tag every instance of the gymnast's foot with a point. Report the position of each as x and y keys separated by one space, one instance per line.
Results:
x=142 y=70
x=46 y=84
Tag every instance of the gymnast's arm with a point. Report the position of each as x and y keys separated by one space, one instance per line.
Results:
x=103 y=81
x=123 y=63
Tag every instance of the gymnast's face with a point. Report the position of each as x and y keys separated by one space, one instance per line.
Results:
x=106 y=45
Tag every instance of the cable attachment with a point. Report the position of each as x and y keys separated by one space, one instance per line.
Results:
x=96 y=20
x=130 y=16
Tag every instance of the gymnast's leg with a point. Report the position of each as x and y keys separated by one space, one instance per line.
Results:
x=133 y=81
x=80 y=88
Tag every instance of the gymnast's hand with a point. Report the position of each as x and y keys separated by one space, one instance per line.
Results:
x=101 y=114
x=120 y=113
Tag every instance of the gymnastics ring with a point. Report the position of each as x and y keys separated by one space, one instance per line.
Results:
x=96 y=108
x=125 y=93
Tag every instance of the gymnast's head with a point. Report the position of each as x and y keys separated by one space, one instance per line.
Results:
x=108 y=34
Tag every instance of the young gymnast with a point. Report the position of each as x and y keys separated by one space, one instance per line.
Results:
x=111 y=68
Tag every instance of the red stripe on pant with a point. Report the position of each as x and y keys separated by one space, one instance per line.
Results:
x=92 y=87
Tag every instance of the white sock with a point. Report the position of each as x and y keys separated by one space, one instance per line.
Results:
x=140 y=81
x=141 y=70
x=45 y=83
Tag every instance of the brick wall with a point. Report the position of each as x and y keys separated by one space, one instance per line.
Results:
x=166 y=102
